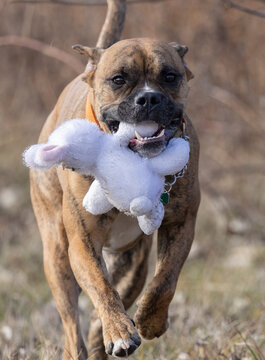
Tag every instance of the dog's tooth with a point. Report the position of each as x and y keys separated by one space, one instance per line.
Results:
x=138 y=136
x=162 y=133
x=159 y=135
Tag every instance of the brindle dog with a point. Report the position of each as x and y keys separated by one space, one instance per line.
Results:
x=106 y=256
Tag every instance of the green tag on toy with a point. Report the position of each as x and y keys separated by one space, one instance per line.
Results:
x=164 y=198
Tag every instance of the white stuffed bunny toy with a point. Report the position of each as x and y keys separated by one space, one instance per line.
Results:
x=123 y=179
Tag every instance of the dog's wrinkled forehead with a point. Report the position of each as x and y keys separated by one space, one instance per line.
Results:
x=144 y=59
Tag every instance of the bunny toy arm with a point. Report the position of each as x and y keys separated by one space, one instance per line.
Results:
x=172 y=159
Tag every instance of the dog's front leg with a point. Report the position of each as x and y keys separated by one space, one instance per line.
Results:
x=86 y=235
x=174 y=242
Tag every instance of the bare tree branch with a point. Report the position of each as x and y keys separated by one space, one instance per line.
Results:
x=244 y=9
x=247 y=114
x=78 y=3
x=43 y=48
x=104 y=2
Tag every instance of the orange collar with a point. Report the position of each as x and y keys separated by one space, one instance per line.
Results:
x=90 y=113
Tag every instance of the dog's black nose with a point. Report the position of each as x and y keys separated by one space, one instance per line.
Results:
x=148 y=99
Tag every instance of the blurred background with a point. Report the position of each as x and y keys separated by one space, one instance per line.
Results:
x=218 y=311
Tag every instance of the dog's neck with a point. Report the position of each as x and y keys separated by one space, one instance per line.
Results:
x=90 y=113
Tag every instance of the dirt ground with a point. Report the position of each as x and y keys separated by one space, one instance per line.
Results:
x=218 y=311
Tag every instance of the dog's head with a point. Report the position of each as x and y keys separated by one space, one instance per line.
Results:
x=138 y=81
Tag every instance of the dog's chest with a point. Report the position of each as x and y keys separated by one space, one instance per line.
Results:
x=124 y=231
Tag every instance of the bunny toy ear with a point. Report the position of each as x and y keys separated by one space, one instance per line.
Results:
x=44 y=156
x=51 y=154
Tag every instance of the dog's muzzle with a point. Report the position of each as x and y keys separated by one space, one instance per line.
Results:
x=147 y=107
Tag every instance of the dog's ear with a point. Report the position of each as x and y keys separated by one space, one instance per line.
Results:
x=93 y=55
x=182 y=51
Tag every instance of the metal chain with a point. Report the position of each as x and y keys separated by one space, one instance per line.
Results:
x=170 y=184
x=182 y=172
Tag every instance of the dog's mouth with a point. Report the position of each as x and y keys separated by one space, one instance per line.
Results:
x=113 y=125
x=150 y=138
x=139 y=140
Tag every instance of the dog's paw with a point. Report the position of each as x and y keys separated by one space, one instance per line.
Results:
x=121 y=338
x=151 y=325
x=122 y=348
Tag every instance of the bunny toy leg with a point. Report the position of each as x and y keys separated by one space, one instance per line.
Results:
x=151 y=222
x=140 y=206
x=95 y=200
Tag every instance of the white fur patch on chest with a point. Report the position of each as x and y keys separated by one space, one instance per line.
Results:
x=125 y=230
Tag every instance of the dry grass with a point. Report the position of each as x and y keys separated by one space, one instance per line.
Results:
x=218 y=311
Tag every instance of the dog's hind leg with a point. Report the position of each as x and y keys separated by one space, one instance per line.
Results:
x=127 y=271
x=46 y=197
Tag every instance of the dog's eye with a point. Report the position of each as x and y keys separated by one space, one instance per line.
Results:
x=118 y=80
x=170 y=77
